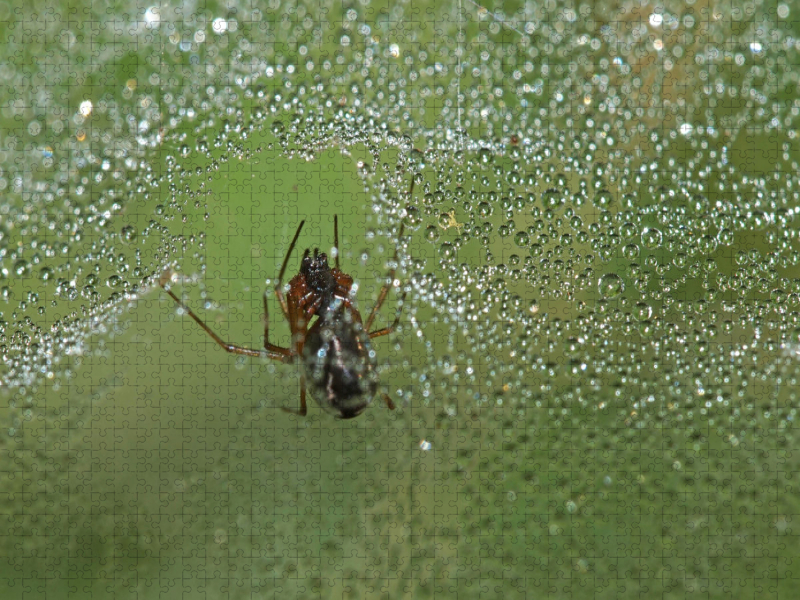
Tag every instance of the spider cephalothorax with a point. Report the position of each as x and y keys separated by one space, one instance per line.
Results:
x=318 y=275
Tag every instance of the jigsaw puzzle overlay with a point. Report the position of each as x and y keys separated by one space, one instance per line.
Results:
x=550 y=351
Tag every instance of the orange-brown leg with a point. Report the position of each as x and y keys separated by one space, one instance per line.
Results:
x=336 y=237
x=388 y=285
x=297 y=346
x=267 y=344
x=390 y=328
x=303 y=408
x=389 y=403
x=279 y=285
x=384 y=289
x=274 y=352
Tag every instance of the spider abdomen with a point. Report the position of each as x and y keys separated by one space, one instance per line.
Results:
x=339 y=364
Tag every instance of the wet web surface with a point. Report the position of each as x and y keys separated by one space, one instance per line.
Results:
x=595 y=368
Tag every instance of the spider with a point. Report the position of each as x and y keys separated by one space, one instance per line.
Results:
x=337 y=359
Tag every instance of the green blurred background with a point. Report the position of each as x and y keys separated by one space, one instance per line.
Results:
x=556 y=435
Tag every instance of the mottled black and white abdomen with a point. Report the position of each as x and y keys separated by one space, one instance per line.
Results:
x=339 y=364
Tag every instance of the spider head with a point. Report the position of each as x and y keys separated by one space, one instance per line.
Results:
x=317 y=273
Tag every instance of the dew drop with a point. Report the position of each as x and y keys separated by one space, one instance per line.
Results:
x=610 y=285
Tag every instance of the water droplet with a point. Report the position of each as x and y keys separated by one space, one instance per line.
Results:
x=610 y=285
x=651 y=238
x=129 y=233
x=522 y=239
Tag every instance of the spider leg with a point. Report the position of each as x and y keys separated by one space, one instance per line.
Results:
x=384 y=290
x=390 y=328
x=388 y=401
x=279 y=285
x=275 y=352
x=270 y=347
x=303 y=408
x=336 y=237
x=282 y=300
x=386 y=286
